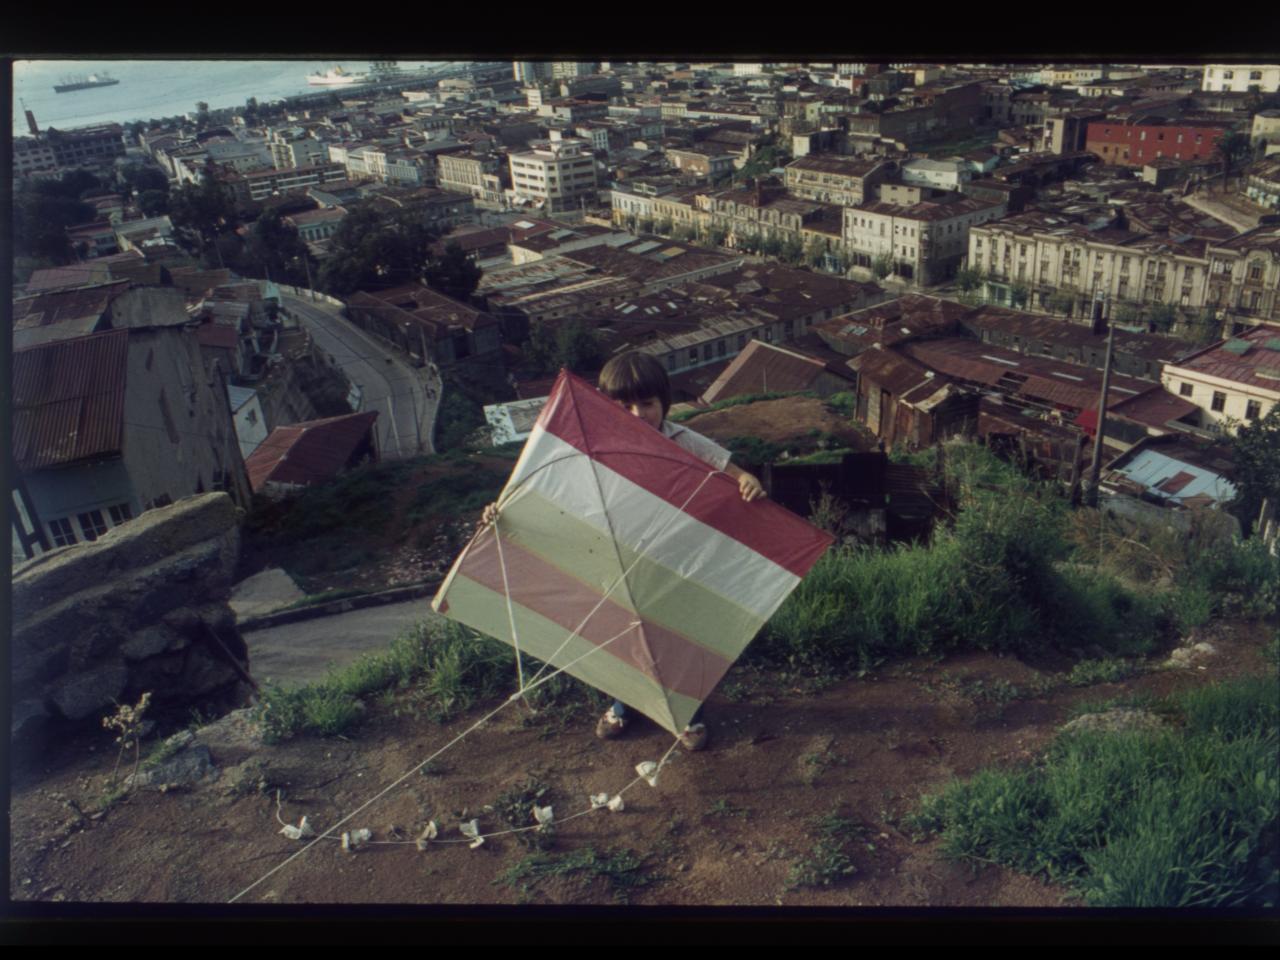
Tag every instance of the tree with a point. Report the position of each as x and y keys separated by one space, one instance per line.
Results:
x=202 y=210
x=140 y=177
x=1256 y=451
x=571 y=344
x=370 y=250
x=771 y=246
x=454 y=273
x=1232 y=149
x=815 y=253
x=792 y=250
x=881 y=266
x=273 y=249
x=1161 y=317
x=716 y=235
x=969 y=278
x=42 y=212
x=153 y=203
x=663 y=227
x=1018 y=295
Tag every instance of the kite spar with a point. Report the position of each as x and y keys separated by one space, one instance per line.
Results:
x=624 y=560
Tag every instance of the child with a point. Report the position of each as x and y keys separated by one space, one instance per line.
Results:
x=638 y=382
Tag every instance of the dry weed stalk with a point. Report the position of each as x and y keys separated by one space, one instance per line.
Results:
x=127 y=722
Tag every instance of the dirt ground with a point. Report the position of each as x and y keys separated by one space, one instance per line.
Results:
x=731 y=825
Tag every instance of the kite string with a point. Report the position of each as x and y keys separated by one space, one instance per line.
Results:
x=537 y=681
x=412 y=770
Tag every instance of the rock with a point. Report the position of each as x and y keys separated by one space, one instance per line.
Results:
x=29 y=718
x=1205 y=649
x=1121 y=718
x=193 y=765
x=147 y=643
x=83 y=694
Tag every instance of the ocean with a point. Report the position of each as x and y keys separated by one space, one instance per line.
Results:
x=151 y=89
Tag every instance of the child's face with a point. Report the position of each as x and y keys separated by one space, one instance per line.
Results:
x=649 y=410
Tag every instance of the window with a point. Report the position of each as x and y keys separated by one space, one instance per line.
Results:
x=1185 y=390
x=91 y=524
x=1228 y=74
x=120 y=513
x=1219 y=401
x=63 y=535
x=1253 y=410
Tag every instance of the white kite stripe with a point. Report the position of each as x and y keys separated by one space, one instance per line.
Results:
x=687 y=547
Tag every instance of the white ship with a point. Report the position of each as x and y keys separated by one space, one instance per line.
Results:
x=337 y=77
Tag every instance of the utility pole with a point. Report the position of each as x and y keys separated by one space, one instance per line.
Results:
x=1096 y=471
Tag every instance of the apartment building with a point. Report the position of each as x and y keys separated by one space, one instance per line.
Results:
x=1135 y=144
x=1241 y=78
x=1233 y=382
x=847 y=181
x=1067 y=266
x=293 y=147
x=479 y=175
x=1244 y=277
x=924 y=243
x=556 y=174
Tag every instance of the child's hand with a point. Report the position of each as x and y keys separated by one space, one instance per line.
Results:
x=749 y=487
x=490 y=515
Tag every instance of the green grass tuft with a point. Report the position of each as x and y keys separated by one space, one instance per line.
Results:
x=1157 y=819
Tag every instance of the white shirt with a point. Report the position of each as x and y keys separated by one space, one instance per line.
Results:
x=708 y=451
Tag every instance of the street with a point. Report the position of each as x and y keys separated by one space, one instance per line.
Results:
x=404 y=396
x=296 y=654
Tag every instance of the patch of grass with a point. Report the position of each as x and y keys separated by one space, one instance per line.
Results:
x=845 y=403
x=828 y=861
x=1107 y=670
x=1138 y=819
x=515 y=808
x=622 y=871
x=745 y=398
x=726 y=809
x=446 y=668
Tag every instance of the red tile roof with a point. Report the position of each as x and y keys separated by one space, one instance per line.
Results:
x=305 y=453
x=68 y=400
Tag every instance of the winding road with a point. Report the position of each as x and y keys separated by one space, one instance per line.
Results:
x=404 y=396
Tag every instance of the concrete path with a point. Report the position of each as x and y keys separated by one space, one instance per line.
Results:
x=264 y=592
x=299 y=653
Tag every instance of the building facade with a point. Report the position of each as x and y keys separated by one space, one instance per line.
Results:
x=556 y=174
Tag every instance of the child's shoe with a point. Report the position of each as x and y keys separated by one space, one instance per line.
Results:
x=694 y=737
x=610 y=726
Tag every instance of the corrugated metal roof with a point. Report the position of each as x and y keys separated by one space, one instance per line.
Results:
x=68 y=400
x=309 y=452
x=763 y=367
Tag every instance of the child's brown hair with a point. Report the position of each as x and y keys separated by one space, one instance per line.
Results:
x=634 y=376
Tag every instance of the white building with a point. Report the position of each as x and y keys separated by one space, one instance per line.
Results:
x=942 y=174
x=1241 y=77
x=556 y=174
x=924 y=242
x=1233 y=382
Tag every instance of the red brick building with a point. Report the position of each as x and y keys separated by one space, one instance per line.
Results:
x=1136 y=144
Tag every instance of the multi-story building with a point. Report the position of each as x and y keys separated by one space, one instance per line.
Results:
x=1262 y=182
x=1067 y=132
x=481 y=176
x=704 y=163
x=1242 y=78
x=1053 y=256
x=1067 y=266
x=1264 y=135
x=293 y=147
x=1233 y=382
x=1244 y=277
x=33 y=155
x=1135 y=144
x=530 y=71
x=260 y=184
x=86 y=145
x=924 y=243
x=556 y=174
x=847 y=181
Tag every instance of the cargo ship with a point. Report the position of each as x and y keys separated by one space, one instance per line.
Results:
x=69 y=84
x=337 y=77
